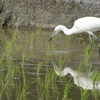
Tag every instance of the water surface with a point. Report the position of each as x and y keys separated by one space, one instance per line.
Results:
x=34 y=46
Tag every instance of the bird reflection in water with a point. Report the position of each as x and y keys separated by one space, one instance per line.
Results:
x=86 y=81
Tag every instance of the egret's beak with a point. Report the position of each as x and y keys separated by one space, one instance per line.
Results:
x=52 y=36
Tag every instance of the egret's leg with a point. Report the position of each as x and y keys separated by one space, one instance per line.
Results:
x=91 y=43
x=90 y=33
x=99 y=48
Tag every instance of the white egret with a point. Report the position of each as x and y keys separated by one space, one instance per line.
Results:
x=81 y=25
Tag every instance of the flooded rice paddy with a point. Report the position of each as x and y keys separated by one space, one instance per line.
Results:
x=31 y=66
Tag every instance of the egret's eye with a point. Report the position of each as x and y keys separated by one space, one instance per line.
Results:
x=55 y=32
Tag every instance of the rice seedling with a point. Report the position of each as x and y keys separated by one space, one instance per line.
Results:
x=84 y=94
x=48 y=51
x=40 y=83
x=31 y=42
x=24 y=85
x=61 y=60
x=38 y=30
x=68 y=42
x=22 y=90
x=41 y=89
x=46 y=86
x=10 y=45
x=67 y=90
x=87 y=55
x=96 y=78
x=8 y=80
x=96 y=94
x=8 y=84
x=38 y=70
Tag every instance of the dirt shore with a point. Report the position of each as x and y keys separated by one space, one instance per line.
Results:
x=26 y=13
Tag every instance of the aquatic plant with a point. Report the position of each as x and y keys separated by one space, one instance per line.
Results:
x=84 y=94
x=67 y=90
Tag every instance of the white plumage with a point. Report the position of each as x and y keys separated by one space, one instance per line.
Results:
x=81 y=25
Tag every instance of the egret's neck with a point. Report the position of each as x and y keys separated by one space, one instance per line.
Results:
x=71 y=31
x=66 y=71
x=70 y=71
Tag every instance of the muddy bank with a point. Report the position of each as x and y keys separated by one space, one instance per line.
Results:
x=29 y=13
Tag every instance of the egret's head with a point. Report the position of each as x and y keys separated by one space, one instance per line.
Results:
x=57 y=30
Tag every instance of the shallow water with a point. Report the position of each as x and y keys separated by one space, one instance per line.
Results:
x=69 y=50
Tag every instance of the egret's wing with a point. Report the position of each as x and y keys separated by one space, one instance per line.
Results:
x=88 y=24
